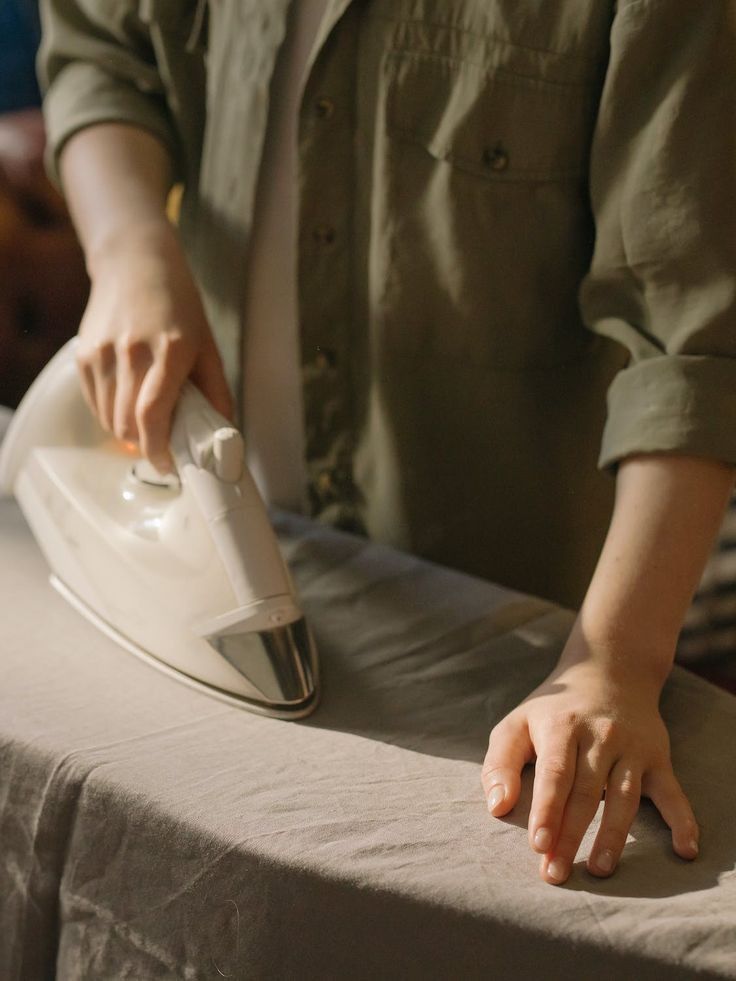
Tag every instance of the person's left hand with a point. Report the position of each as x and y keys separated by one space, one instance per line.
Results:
x=588 y=731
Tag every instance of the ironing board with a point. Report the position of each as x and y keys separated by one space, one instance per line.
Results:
x=148 y=831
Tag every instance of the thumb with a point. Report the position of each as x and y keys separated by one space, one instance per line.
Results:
x=510 y=748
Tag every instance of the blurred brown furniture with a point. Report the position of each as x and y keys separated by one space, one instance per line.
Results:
x=43 y=283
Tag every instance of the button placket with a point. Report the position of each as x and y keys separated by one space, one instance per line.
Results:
x=325 y=275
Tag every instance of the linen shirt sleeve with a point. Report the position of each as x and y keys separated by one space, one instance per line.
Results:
x=97 y=64
x=663 y=183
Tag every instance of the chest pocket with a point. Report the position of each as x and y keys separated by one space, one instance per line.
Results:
x=487 y=120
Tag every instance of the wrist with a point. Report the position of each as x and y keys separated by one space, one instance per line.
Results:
x=668 y=509
x=621 y=655
x=151 y=236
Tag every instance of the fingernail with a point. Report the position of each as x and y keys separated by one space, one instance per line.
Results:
x=496 y=797
x=694 y=847
x=543 y=840
x=604 y=861
x=557 y=869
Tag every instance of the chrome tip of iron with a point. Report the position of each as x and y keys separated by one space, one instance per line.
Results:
x=280 y=663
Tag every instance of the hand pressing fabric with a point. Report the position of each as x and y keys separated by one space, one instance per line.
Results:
x=594 y=725
x=589 y=731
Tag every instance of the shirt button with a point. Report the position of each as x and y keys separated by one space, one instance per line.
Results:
x=325 y=358
x=325 y=482
x=324 y=234
x=324 y=107
x=496 y=158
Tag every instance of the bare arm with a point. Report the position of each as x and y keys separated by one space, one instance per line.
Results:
x=116 y=179
x=667 y=515
x=594 y=723
x=144 y=331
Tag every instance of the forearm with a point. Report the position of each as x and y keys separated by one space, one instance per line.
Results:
x=667 y=514
x=145 y=329
x=116 y=179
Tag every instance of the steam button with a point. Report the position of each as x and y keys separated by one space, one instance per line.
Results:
x=229 y=454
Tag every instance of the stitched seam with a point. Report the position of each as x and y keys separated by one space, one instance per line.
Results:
x=581 y=59
x=501 y=71
x=470 y=164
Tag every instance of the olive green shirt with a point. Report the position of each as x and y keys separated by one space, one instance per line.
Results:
x=508 y=209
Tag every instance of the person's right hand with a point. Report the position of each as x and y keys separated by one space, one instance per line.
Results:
x=145 y=332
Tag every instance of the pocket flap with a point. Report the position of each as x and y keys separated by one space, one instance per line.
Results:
x=490 y=122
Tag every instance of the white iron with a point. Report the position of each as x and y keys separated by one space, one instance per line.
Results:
x=183 y=571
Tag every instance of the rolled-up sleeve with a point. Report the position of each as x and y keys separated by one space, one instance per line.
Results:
x=97 y=64
x=663 y=184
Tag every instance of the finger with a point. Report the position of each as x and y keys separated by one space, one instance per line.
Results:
x=87 y=383
x=623 y=793
x=209 y=377
x=134 y=360
x=156 y=400
x=103 y=366
x=665 y=792
x=92 y=378
x=554 y=775
x=582 y=803
x=510 y=748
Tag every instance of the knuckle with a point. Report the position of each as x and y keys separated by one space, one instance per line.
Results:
x=172 y=347
x=93 y=355
x=497 y=732
x=150 y=413
x=607 y=732
x=489 y=780
x=566 y=722
x=103 y=353
x=490 y=769
x=501 y=732
x=629 y=791
x=661 y=761
x=552 y=767
x=584 y=791
x=133 y=349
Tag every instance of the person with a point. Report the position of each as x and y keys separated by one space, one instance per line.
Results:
x=453 y=227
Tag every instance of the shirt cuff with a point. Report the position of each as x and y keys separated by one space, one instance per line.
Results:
x=84 y=95
x=672 y=404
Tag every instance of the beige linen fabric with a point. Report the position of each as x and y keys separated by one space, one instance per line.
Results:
x=466 y=168
x=150 y=832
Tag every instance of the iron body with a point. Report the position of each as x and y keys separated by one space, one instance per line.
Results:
x=184 y=570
